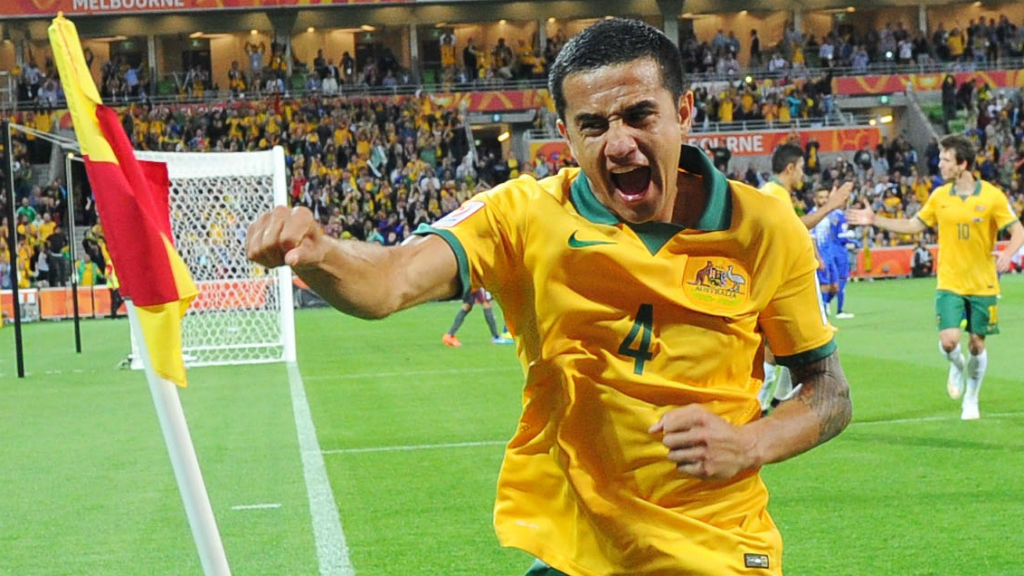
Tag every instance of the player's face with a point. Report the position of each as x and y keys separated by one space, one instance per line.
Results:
x=820 y=197
x=625 y=130
x=948 y=167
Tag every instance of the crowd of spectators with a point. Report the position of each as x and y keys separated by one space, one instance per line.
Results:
x=766 y=100
x=40 y=252
x=895 y=179
x=374 y=168
x=796 y=66
x=981 y=41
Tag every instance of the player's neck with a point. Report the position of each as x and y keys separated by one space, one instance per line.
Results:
x=690 y=201
x=965 y=184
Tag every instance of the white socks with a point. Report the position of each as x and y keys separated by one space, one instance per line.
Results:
x=767 y=389
x=784 y=391
x=976 y=366
x=955 y=356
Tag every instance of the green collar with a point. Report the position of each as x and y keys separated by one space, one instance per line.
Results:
x=977 y=189
x=779 y=182
x=717 y=214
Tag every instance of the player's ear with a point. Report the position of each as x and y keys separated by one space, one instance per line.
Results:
x=685 y=113
x=564 y=131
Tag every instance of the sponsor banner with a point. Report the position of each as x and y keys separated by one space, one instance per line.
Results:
x=47 y=8
x=893 y=261
x=762 y=143
x=885 y=262
x=830 y=140
x=888 y=84
x=494 y=101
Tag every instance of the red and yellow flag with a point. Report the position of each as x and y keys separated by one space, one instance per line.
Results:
x=131 y=197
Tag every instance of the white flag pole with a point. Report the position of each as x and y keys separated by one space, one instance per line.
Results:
x=183 y=460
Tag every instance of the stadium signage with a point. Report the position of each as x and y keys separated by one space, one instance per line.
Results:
x=738 y=144
x=762 y=143
x=860 y=85
x=103 y=5
x=49 y=8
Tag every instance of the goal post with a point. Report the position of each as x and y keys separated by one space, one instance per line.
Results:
x=244 y=313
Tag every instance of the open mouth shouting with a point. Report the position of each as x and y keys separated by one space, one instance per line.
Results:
x=632 y=182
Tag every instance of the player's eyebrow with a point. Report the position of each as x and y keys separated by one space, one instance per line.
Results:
x=587 y=118
x=644 y=106
x=639 y=108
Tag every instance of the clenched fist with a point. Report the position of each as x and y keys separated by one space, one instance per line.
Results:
x=284 y=235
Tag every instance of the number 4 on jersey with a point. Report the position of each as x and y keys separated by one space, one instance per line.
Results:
x=642 y=328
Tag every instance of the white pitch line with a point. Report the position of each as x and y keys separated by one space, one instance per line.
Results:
x=509 y=368
x=416 y=447
x=996 y=416
x=331 y=548
x=256 y=507
x=409 y=447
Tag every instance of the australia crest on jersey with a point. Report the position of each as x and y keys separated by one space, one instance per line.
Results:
x=715 y=280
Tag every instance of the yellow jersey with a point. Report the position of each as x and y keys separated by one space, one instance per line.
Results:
x=775 y=188
x=968 y=227
x=616 y=324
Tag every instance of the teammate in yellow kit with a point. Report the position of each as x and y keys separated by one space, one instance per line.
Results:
x=787 y=177
x=968 y=214
x=640 y=288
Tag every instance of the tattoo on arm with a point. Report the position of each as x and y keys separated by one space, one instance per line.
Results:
x=826 y=393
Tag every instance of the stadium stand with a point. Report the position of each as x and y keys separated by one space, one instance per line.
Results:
x=374 y=152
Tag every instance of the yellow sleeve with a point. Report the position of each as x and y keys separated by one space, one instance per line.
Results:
x=793 y=321
x=1002 y=212
x=477 y=232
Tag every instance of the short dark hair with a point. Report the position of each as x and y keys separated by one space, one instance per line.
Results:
x=784 y=155
x=962 y=147
x=616 y=41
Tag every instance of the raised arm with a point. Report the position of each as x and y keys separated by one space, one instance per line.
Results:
x=704 y=445
x=362 y=279
x=836 y=200
x=866 y=217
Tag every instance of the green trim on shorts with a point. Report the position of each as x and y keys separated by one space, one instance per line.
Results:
x=541 y=569
x=982 y=314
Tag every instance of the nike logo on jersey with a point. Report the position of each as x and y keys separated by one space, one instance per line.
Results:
x=575 y=242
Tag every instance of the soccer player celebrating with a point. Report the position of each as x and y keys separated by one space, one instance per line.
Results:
x=968 y=214
x=483 y=298
x=640 y=288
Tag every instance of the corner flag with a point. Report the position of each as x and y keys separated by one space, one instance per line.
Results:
x=132 y=201
x=131 y=197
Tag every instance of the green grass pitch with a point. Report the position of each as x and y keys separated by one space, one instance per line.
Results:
x=412 y=432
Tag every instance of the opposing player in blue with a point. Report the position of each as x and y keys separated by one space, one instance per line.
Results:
x=831 y=235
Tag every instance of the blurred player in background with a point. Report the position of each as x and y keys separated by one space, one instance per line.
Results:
x=483 y=298
x=831 y=235
x=968 y=214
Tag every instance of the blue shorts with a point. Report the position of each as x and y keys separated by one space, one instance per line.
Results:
x=842 y=264
x=830 y=274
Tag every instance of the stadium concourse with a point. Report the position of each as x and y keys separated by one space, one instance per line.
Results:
x=374 y=166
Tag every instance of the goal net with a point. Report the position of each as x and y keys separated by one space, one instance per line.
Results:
x=243 y=313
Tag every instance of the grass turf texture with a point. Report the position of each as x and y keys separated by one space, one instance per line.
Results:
x=412 y=433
